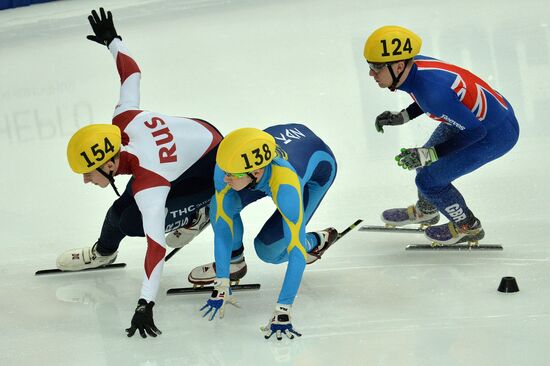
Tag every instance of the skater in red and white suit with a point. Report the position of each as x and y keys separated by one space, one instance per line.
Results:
x=171 y=160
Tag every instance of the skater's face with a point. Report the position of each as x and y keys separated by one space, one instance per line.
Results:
x=97 y=178
x=382 y=76
x=239 y=181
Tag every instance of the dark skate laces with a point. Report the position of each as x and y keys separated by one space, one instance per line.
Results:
x=325 y=243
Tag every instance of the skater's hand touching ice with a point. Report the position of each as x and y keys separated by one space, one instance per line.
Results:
x=280 y=324
x=143 y=320
x=221 y=296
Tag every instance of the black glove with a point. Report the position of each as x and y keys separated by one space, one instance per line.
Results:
x=143 y=320
x=103 y=27
x=388 y=118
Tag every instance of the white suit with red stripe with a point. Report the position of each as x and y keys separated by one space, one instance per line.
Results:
x=156 y=150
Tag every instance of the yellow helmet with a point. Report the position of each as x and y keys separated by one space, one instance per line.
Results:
x=92 y=146
x=391 y=43
x=245 y=150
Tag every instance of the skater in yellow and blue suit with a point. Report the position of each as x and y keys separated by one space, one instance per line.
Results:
x=294 y=167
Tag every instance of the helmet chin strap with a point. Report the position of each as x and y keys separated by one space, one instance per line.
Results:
x=253 y=183
x=395 y=79
x=109 y=177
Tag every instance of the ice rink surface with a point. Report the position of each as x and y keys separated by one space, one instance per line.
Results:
x=259 y=63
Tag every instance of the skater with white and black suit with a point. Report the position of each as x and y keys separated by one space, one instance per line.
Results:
x=478 y=125
x=296 y=175
x=171 y=160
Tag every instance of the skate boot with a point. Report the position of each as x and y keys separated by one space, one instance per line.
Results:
x=326 y=238
x=450 y=233
x=83 y=258
x=183 y=236
x=409 y=216
x=205 y=275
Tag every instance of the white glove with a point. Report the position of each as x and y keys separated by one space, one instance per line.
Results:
x=221 y=295
x=280 y=323
x=416 y=157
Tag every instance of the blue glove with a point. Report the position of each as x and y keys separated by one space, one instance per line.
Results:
x=416 y=157
x=221 y=295
x=280 y=324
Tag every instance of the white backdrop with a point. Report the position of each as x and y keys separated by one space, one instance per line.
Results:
x=259 y=63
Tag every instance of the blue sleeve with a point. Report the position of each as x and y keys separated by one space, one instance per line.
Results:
x=289 y=203
x=447 y=105
x=224 y=206
x=293 y=277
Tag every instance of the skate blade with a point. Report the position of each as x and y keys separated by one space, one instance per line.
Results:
x=454 y=247
x=54 y=271
x=198 y=284
x=208 y=289
x=348 y=229
x=392 y=229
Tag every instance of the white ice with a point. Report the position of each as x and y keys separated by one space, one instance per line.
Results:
x=258 y=63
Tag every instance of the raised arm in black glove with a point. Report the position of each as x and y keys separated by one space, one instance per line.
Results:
x=143 y=320
x=103 y=27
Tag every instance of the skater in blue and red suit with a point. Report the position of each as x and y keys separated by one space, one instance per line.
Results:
x=294 y=167
x=478 y=125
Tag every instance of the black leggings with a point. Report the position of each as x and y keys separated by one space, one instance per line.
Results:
x=188 y=193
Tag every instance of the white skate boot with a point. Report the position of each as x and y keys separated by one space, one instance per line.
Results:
x=204 y=275
x=83 y=258
x=328 y=237
x=409 y=216
x=183 y=236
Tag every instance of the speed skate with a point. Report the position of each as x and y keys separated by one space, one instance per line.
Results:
x=202 y=277
x=457 y=247
x=200 y=289
x=57 y=270
x=393 y=229
x=420 y=229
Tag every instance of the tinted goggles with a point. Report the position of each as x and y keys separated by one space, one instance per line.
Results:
x=377 y=66
x=235 y=175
